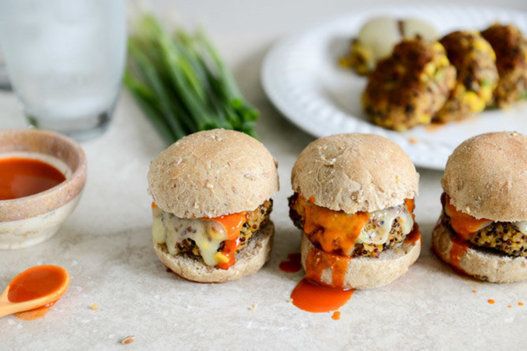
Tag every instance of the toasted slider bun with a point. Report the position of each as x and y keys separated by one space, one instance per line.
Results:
x=486 y=177
x=212 y=173
x=355 y=172
x=483 y=265
x=367 y=272
x=248 y=261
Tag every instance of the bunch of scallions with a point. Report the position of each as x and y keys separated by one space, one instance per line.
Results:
x=181 y=83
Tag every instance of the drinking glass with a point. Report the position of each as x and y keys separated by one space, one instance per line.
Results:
x=65 y=60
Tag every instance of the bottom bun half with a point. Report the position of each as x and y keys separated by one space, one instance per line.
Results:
x=368 y=272
x=248 y=261
x=483 y=265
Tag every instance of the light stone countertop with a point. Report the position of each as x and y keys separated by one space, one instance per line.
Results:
x=106 y=244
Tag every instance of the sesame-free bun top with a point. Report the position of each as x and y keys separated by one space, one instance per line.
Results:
x=355 y=172
x=486 y=177
x=212 y=173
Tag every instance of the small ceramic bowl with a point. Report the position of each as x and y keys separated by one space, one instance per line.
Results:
x=33 y=219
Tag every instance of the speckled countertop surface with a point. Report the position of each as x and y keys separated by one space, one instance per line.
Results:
x=106 y=246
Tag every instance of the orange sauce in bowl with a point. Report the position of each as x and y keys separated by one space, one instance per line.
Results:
x=22 y=177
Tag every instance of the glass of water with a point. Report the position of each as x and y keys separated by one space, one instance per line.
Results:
x=65 y=60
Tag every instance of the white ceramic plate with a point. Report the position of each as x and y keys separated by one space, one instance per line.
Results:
x=301 y=77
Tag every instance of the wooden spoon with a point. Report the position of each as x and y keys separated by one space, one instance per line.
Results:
x=33 y=288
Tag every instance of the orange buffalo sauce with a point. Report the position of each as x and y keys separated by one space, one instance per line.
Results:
x=457 y=251
x=410 y=205
x=318 y=261
x=333 y=230
x=311 y=297
x=34 y=283
x=414 y=236
x=463 y=224
x=233 y=224
x=292 y=264
x=20 y=177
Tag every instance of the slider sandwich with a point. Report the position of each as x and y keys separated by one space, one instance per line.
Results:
x=212 y=199
x=354 y=200
x=482 y=230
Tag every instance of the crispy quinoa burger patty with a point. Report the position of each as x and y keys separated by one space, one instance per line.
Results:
x=253 y=222
x=211 y=206
x=353 y=234
x=499 y=237
x=477 y=75
x=396 y=234
x=482 y=230
x=511 y=59
x=410 y=86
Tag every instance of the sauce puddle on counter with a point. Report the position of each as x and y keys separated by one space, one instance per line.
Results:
x=312 y=297
x=26 y=176
x=292 y=264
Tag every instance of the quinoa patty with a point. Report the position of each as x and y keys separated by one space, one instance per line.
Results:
x=511 y=59
x=477 y=75
x=359 y=58
x=395 y=237
x=502 y=237
x=409 y=87
x=255 y=220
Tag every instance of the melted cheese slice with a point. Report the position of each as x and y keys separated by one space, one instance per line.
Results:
x=379 y=233
x=207 y=234
x=521 y=226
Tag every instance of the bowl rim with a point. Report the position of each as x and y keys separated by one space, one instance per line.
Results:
x=67 y=188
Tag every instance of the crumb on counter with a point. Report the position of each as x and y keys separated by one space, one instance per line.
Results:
x=434 y=126
x=413 y=140
x=520 y=303
x=336 y=315
x=127 y=340
x=93 y=307
x=253 y=307
x=509 y=306
x=491 y=301
x=474 y=291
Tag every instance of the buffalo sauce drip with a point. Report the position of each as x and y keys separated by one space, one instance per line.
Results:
x=463 y=224
x=317 y=262
x=233 y=224
x=292 y=264
x=410 y=206
x=35 y=283
x=414 y=236
x=333 y=230
x=22 y=177
x=457 y=251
